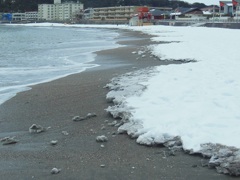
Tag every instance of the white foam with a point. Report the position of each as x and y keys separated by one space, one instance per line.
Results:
x=33 y=55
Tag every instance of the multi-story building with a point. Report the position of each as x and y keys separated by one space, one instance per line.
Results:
x=59 y=11
x=121 y=13
x=31 y=15
x=27 y=16
x=18 y=16
x=114 y=13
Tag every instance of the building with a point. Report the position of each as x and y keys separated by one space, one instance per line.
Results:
x=226 y=8
x=118 y=13
x=160 y=13
x=230 y=8
x=18 y=16
x=236 y=8
x=7 y=17
x=210 y=10
x=59 y=11
x=31 y=16
x=27 y=16
x=186 y=13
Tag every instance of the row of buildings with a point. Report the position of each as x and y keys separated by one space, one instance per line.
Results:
x=59 y=11
x=48 y=12
x=73 y=12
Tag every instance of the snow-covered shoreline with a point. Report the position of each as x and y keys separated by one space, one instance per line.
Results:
x=225 y=159
x=198 y=102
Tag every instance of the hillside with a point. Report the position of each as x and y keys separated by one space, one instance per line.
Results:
x=32 y=5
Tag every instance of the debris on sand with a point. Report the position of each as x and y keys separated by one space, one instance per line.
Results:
x=54 y=142
x=36 y=129
x=112 y=123
x=102 y=165
x=78 y=118
x=65 y=133
x=225 y=159
x=101 y=138
x=102 y=146
x=55 y=171
x=8 y=140
x=88 y=116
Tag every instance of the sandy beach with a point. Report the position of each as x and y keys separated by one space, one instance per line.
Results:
x=78 y=155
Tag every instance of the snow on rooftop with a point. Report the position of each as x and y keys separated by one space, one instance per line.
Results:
x=176 y=14
x=207 y=13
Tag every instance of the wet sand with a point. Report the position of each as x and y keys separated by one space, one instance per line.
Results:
x=77 y=154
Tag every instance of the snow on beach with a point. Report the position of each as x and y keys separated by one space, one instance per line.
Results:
x=196 y=101
x=201 y=97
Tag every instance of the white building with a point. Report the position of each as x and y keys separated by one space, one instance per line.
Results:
x=226 y=8
x=18 y=16
x=114 y=13
x=59 y=11
x=31 y=15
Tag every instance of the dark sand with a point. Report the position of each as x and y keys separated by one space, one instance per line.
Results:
x=78 y=154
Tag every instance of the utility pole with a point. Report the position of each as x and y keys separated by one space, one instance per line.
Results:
x=237 y=9
x=213 y=13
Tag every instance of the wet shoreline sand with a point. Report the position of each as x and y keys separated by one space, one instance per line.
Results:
x=77 y=154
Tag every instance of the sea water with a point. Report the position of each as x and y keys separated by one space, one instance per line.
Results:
x=32 y=55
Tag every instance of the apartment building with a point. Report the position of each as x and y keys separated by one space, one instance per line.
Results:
x=27 y=16
x=59 y=11
x=31 y=15
x=114 y=13
x=18 y=16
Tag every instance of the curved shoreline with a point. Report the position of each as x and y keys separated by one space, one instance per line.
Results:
x=54 y=104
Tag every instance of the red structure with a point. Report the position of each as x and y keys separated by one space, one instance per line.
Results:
x=234 y=2
x=143 y=13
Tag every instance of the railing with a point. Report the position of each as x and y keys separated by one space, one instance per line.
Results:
x=211 y=20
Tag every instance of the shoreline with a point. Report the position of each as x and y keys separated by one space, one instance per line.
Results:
x=55 y=103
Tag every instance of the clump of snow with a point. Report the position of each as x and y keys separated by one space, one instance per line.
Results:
x=101 y=138
x=65 y=133
x=125 y=86
x=55 y=171
x=54 y=142
x=225 y=159
x=36 y=129
x=78 y=118
x=8 y=140
x=88 y=116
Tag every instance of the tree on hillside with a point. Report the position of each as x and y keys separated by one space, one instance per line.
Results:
x=32 y=5
x=198 y=5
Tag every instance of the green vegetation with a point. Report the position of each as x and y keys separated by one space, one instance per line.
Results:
x=31 y=5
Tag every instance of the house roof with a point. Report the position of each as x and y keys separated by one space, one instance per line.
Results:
x=157 y=12
x=228 y=3
x=182 y=10
x=207 y=13
x=210 y=8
